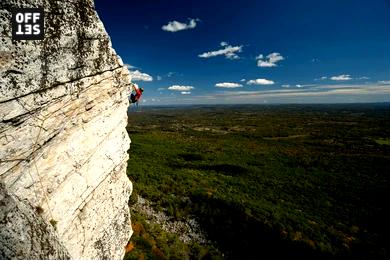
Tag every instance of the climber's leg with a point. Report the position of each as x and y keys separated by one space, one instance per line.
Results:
x=132 y=98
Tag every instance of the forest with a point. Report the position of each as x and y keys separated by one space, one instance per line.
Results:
x=262 y=181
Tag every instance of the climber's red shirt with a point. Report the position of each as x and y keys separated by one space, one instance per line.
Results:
x=138 y=94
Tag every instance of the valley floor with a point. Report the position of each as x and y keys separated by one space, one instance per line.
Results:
x=262 y=182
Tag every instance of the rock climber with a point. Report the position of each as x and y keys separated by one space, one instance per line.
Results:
x=136 y=93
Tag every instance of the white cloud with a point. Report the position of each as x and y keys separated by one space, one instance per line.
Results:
x=140 y=76
x=260 y=56
x=175 y=26
x=159 y=78
x=384 y=82
x=242 y=80
x=321 y=78
x=129 y=66
x=260 y=82
x=342 y=77
x=305 y=85
x=185 y=93
x=265 y=64
x=228 y=50
x=286 y=85
x=270 y=60
x=180 y=88
x=228 y=85
x=160 y=89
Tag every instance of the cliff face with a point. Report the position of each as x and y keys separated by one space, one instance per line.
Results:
x=63 y=113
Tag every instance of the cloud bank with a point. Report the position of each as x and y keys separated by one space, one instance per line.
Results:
x=327 y=93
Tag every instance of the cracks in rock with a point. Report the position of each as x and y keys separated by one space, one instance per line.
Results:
x=38 y=126
x=77 y=67
x=61 y=83
x=78 y=220
x=84 y=232
x=94 y=150
x=29 y=157
x=7 y=137
x=16 y=121
x=109 y=157
x=19 y=159
x=84 y=202
x=12 y=71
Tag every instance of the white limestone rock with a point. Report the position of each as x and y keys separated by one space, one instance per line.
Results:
x=63 y=113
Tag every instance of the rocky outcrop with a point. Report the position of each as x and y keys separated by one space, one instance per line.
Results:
x=63 y=143
x=19 y=220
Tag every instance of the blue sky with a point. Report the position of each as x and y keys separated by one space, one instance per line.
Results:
x=279 y=51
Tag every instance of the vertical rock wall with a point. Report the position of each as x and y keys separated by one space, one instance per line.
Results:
x=63 y=113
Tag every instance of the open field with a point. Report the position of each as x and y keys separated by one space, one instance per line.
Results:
x=288 y=181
